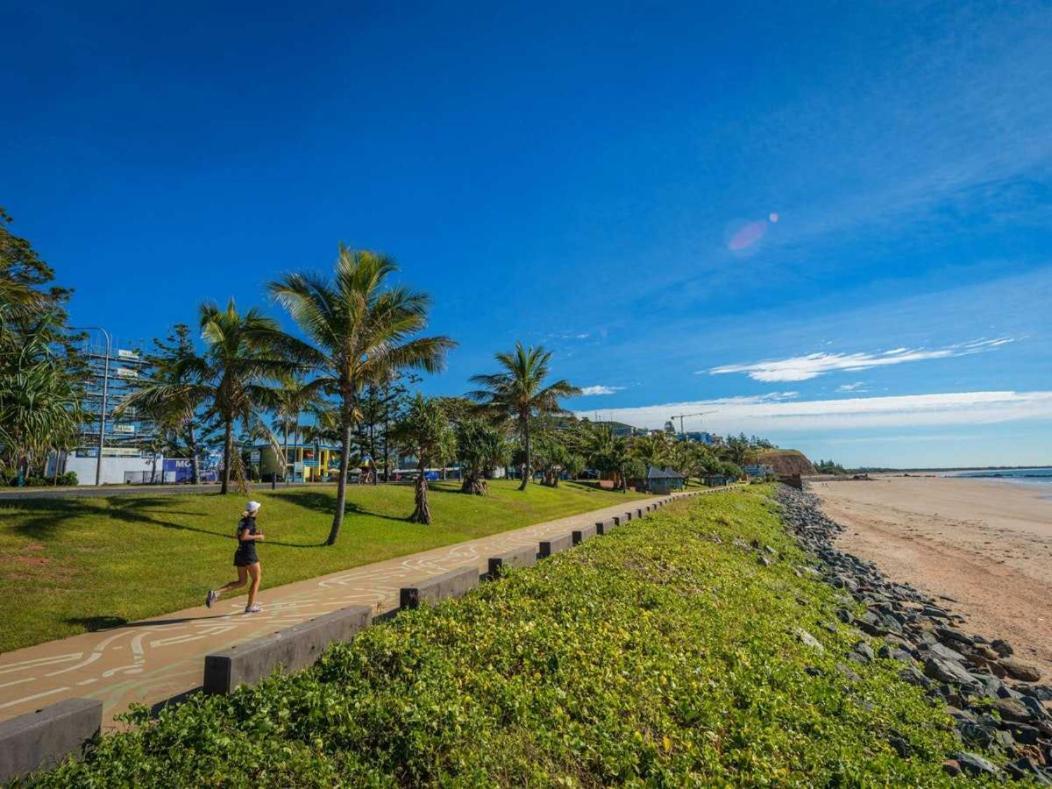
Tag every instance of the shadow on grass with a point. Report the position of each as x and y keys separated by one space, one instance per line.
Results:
x=43 y=518
x=319 y=502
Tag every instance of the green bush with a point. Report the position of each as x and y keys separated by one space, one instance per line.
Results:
x=664 y=654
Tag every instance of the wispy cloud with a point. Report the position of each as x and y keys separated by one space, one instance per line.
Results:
x=855 y=387
x=768 y=416
x=599 y=389
x=804 y=368
x=770 y=397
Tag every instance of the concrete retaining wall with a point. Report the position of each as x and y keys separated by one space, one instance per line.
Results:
x=556 y=545
x=292 y=649
x=607 y=526
x=42 y=739
x=452 y=584
x=520 y=557
x=584 y=533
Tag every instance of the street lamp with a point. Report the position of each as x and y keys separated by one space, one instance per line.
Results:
x=105 y=396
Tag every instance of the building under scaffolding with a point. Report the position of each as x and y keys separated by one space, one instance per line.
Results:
x=114 y=370
x=129 y=451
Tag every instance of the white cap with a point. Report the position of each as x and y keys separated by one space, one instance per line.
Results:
x=253 y=506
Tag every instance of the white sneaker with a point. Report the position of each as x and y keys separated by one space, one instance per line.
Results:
x=253 y=609
x=211 y=597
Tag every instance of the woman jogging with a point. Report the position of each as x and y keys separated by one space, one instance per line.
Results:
x=245 y=560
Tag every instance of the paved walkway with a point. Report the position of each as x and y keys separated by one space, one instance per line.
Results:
x=156 y=659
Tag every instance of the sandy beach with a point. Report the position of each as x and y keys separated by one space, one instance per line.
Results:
x=983 y=546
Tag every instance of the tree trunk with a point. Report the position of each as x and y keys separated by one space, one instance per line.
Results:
x=422 y=513
x=341 y=485
x=474 y=484
x=285 y=457
x=228 y=440
x=387 y=433
x=526 y=468
x=195 y=463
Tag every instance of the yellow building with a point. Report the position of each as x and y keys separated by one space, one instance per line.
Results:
x=303 y=462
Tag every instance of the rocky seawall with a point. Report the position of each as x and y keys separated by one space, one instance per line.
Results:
x=997 y=701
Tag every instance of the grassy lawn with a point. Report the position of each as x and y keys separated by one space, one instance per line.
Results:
x=663 y=655
x=70 y=565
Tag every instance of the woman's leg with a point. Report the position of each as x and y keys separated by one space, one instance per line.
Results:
x=256 y=572
x=242 y=576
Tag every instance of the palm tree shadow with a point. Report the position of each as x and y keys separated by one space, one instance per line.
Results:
x=319 y=502
x=50 y=515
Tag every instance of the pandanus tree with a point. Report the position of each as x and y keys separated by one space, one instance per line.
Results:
x=480 y=449
x=39 y=403
x=518 y=393
x=425 y=433
x=362 y=330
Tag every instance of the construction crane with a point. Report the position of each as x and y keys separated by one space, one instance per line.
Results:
x=681 y=417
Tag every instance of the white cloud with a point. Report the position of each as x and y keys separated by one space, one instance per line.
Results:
x=770 y=397
x=768 y=416
x=855 y=387
x=599 y=389
x=804 y=368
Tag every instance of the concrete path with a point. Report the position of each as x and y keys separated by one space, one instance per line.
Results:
x=156 y=659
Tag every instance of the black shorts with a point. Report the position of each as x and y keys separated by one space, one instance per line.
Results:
x=244 y=560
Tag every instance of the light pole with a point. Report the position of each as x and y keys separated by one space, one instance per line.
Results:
x=105 y=395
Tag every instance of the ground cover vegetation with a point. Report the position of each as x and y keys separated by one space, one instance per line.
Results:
x=81 y=564
x=669 y=653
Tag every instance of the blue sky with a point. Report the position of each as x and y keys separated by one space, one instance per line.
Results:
x=827 y=223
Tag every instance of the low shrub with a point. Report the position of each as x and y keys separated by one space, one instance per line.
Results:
x=667 y=653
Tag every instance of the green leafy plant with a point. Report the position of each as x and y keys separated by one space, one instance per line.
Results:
x=664 y=654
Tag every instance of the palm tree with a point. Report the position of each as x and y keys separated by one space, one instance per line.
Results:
x=518 y=393
x=362 y=331
x=292 y=397
x=245 y=353
x=174 y=393
x=653 y=450
x=605 y=452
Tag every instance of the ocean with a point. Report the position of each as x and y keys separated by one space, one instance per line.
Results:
x=1024 y=476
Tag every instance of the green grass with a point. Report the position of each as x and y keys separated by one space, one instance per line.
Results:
x=77 y=564
x=665 y=654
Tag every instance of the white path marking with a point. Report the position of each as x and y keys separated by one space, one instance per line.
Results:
x=40 y=662
x=30 y=698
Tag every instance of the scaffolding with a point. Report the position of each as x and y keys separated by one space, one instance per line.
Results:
x=113 y=371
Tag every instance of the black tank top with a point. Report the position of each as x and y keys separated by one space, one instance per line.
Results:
x=246 y=549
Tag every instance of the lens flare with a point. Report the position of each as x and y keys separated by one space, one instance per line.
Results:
x=746 y=236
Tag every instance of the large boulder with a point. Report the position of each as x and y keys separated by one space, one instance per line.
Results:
x=1017 y=669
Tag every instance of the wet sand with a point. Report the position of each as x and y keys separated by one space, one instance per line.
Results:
x=983 y=546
